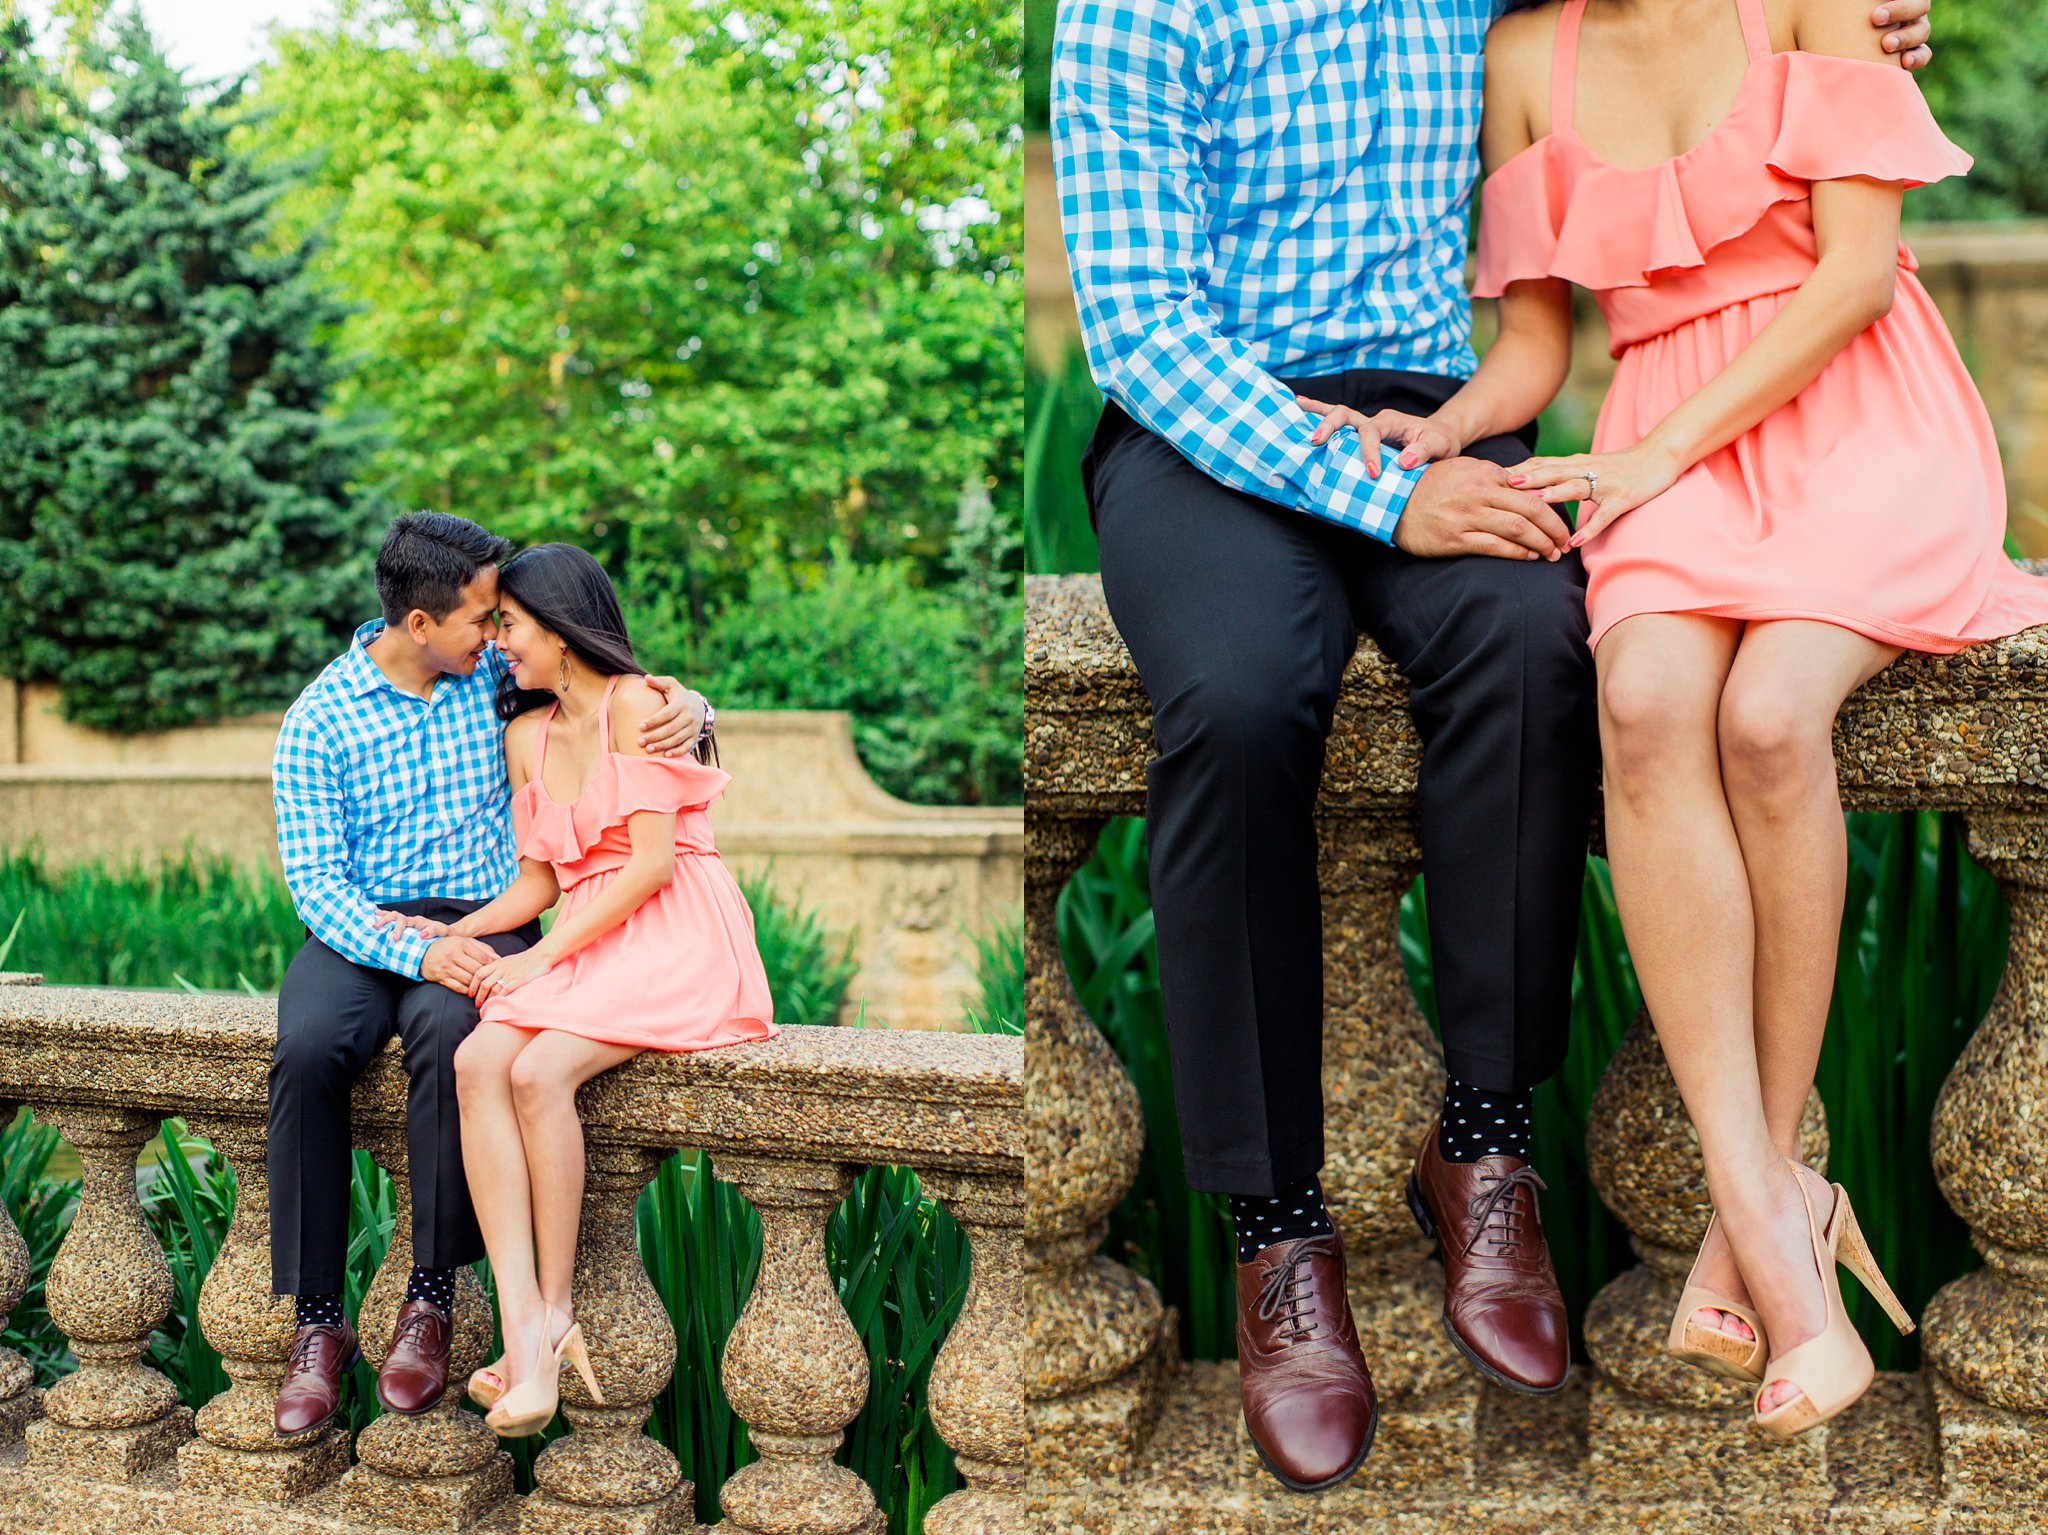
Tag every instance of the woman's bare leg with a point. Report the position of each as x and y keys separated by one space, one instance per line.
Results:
x=494 y=1159
x=544 y=1082
x=1777 y=757
x=1679 y=880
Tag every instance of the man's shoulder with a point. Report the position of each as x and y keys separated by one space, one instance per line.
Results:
x=1087 y=22
x=328 y=690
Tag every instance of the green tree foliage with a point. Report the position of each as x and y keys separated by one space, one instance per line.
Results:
x=929 y=678
x=178 y=535
x=677 y=281
x=1989 y=87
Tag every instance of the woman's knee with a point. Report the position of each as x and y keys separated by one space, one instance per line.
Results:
x=538 y=1084
x=483 y=1066
x=1773 y=741
x=1652 y=710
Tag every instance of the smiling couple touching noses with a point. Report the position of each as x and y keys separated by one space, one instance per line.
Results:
x=1265 y=213
x=485 y=750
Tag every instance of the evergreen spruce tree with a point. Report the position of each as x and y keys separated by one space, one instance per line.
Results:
x=179 y=536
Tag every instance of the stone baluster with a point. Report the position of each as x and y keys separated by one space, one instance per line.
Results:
x=238 y=1453
x=1657 y=1423
x=442 y=1469
x=794 y=1368
x=20 y=1402
x=1382 y=1081
x=977 y=1382
x=113 y=1419
x=607 y=1477
x=1986 y=1334
x=1099 y=1343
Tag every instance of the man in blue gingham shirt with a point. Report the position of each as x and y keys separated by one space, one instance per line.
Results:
x=390 y=790
x=382 y=796
x=1261 y=201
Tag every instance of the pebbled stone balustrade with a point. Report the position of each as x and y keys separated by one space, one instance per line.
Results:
x=109 y=1451
x=1127 y=1440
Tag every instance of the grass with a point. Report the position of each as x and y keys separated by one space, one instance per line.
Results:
x=202 y=920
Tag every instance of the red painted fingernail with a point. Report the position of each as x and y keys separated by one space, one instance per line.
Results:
x=1516 y=479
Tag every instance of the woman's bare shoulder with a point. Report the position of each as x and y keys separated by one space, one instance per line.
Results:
x=634 y=701
x=1518 y=51
x=520 y=732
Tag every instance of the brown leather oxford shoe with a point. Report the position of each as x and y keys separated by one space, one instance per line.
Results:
x=1501 y=1303
x=310 y=1394
x=1307 y=1395
x=415 y=1372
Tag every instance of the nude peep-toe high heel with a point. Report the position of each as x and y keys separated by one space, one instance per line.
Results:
x=483 y=1392
x=1709 y=1347
x=531 y=1405
x=1831 y=1370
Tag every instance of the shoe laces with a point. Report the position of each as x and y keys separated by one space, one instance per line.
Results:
x=303 y=1346
x=1281 y=1296
x=409 y=1327
x=1501 y=1210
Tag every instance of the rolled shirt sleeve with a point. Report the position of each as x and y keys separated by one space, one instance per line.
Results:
x=1129 y=88
x=306 y=794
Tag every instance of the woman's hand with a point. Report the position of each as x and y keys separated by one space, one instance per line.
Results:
x=1423 y=437
x=1605 y=484
x=511 y=972
x=425 y=925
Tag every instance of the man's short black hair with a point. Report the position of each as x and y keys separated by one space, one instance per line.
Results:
x=426 y=561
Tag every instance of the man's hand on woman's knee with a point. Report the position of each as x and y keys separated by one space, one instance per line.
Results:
x=1467 y=506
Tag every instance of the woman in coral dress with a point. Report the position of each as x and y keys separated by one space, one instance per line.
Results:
x=652 y=949
x=1793 y=480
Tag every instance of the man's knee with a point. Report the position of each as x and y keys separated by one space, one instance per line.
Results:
x=1518 y=621
x=434 y=1021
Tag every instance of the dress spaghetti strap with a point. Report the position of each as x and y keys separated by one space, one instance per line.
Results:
x=1564 y=65
x=1756 y=30
x=604 y=717
x=540 y=741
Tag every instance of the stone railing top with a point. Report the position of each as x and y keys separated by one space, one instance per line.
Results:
x=1961 y=732
x=928 y=1099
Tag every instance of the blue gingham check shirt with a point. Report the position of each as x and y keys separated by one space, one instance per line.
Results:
x=383 y=796
x=1269 y=187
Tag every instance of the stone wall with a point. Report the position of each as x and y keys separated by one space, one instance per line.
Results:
x=911 y=884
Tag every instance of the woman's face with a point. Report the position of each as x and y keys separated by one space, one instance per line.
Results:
x=532 y=654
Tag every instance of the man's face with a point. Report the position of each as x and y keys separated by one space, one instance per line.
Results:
x=456 y=643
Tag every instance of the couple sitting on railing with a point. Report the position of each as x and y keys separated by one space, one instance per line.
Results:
x=1794 y=481
x=488 y=746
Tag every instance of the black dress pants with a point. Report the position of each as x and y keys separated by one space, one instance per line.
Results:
x=1241 y=615
x=333 y=1016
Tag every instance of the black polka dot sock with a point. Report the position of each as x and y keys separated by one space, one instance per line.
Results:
x=1296 y=1211
x=319 y=1310
x=436 y=1285
x=1478 y=1122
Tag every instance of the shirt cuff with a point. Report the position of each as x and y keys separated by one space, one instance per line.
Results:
x=1340 y=491
x=411 y=945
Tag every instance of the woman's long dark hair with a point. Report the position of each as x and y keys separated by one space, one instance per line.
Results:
x=566 y=592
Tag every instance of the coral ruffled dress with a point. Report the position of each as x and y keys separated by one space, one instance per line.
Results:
x=682 y=972
x=1874 y=499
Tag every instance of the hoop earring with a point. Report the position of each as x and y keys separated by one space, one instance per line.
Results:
x=562 y=674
